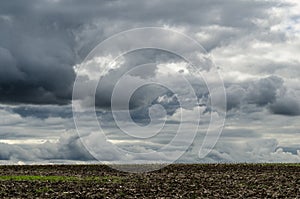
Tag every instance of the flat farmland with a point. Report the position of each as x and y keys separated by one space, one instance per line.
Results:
x=173 y=181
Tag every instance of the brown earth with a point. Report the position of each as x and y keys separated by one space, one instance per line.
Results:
x=174 y=181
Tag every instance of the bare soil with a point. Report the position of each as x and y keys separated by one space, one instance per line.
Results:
x=173 y=181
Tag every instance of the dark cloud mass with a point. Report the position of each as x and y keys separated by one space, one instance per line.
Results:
x=254 y=45
x=263 y=92
x=37 y=56
x=286 y=106
x=267 y=92
x=41 y=41
x=43 y=112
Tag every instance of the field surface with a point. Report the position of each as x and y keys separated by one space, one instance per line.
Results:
x=174 y=181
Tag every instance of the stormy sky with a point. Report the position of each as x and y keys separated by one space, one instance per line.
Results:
x=254 y=45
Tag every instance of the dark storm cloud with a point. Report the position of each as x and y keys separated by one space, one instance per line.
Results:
x=37 y=53
x=41 y=41
x=143 y=97
x=43 y=112
x=36 y=59
x=205 y=12
x=286 y=106
x=264 y=91
x=234 y=96
x=269 y=92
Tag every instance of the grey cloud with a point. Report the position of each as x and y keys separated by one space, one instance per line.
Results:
x=235 y=145
x=36 y=57
x=136 y=58
x=264 y=91
x=43 y=112
x=142 y=97
x=235 y=96
x=229 y=149
x=9 y=152
x=286 y=106
x=10 y=72
x=270 y=93
x=194 y=12
x=40 y=71
x=291 y=149
x=68 y=147
x=250 y=151
x=238 y=133
x=41 y=40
